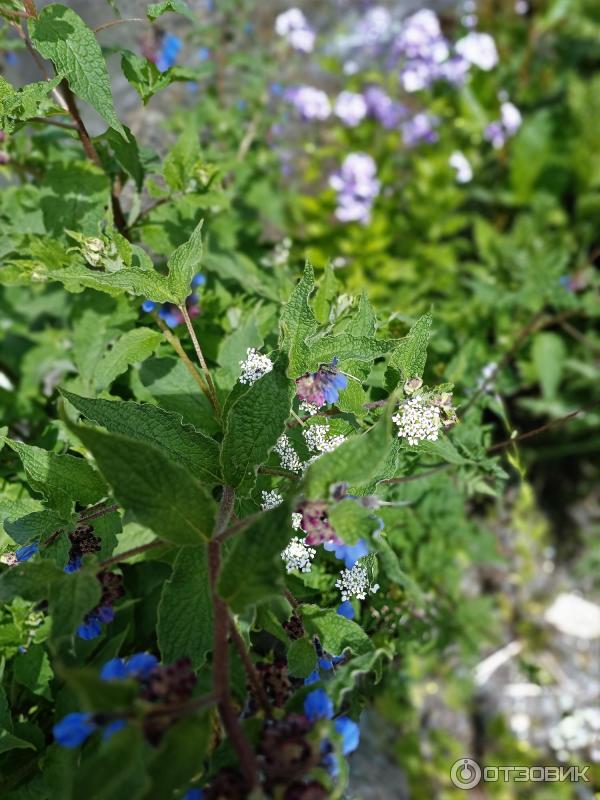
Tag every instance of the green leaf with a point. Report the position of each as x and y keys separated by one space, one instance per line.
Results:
x=10 y=742
x=346 y=676
x=31 y=581
x=183 y=264
x=144 y=283
x=155 y=426
x=254 y=422
x=61 y=479
x=156 y=10
x=346 y=347
x=326 y=293
x=355 y=461
x=162 y=495
x=127 y=154
x=58 y=33
x=180 y=161
x=548 y=355
x=408 y=359
x=19 y=105
x=95 y=694
x=71 y=599
x=32 y=669
x=146 y=78
x=297 y=323
x=302 y=658
x=185 y=610
x=133 y=347
x=352 y=521
x=336 y=633
x=253 y=570
x=120 y=763
x=176 y=762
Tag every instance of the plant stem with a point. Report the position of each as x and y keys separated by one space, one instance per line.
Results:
x=53 y=122
x=142 y=548
x=220 y=663
x=553 y=423
x=117 y=22
x=251 y=672
x=177 y=346
x=201 y=359
x=238 y=527
x=98 y=512
x=280 y=471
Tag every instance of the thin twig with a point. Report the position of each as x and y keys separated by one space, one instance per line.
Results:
x=290 y=598
x=238 y=527
x=553 y=423
x=117 y=22
x=201 y=360
x=54 y=123
x=178 y=347
x=279 y=471
x=253 y=676
x=101 y=512
x=127 y=554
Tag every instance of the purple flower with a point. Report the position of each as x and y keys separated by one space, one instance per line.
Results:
x=113 y=727
x=27 y=551
x=421 y=38
x=106 y=614
x=478 y=49
x=293 y=26
x=74 y=729
x=321 y=387
x=310 y=103
x=495 y=134
x=375 y=25
x=511 y=117
x=351 y=108
x=318 y=705
x=381 y=106
x=350 y=733
x=421 y=128
x=357 y=186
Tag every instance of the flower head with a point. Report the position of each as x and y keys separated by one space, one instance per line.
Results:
x=357 y=186
x=254 y=366
x=321 y=387
x=318 y=440
x=315 y=523
x=355 y=582
x=351 y=108
x=350 y=733
x=74 y=729
x=464 y=172
x=298 y=556
x=420 y=128
x=478 y=49
x=287 y=455
x=318 y=705
x=418 y=420
x=27 y=551
x=292 y=25
x=310 y=103
x=271 y=500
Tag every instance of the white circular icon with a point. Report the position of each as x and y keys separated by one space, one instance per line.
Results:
x=465 y=773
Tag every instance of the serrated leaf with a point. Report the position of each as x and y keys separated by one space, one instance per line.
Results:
x=297 y=323
x=142 y=282
x=181 y=159
x=59 y=34
x=301 y=658
x=61 y=479
x=355 y=461
x=156 y=10
x=346 y=347
x=409 y=358
x=253 y=570
x=327 y=291
x=31 y=581
x=131 y=348
x=162 y=495
x=254 y=422
x=155 y=426
x=185 y=610
x=183 y=264
x=19 y=105
x=147 y=79
x=9 y=741
x=346 y=676
x=32 y=669
x=336 y=633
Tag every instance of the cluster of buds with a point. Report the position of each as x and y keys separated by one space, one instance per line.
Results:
x=254 y=366
x=83 y=541
x=103 y=613
x=356 y=582
x=275 y=681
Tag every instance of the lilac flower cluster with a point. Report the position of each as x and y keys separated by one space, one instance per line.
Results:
x=357 y=187
x=499 y=131
x=381 y=107
x=420 y=128
x=169 y=312
x=310 y=103
x=292 y=25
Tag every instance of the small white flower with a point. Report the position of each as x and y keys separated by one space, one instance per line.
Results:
x=298 y=555
x=296 y=520
x=418 y=420
x=355 y=583
x=318 y=440
x=478 y=49
x=287 y=455
x=9 y=558
x=464 y=172
x=293 y=26
x=271 y=500
x=309 y=408
x=511 y=117
x=255 y=366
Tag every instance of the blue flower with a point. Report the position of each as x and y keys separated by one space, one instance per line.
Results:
x=312 y=678
x=350 y=733
x=198 y=280
x=140 y=665
x=74 y=729
x=148 y=306
x=169 y=50
x=348 y=553
x=27 y=552
x=90 y=629
x=193 y=794
x=318 y=705
x=114 y=669
x=204 y=54
x=113 y=727
x=346 y=609
x=106 y=614
x=73 y=564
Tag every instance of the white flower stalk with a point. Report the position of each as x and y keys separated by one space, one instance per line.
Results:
x=296 y=520
x=271 y=500
x=318 y=440
x=287 y=455
x=418 y=420
x=255 y=366
x=355 y=583
x=298 y=556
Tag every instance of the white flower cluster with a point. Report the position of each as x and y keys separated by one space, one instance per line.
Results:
x=318 y=440
x=293 y=26
x=271 y=500
x=459 y=162
x=355 y=583
x=418 y=420
x=296 y=520
x=287 y=455
x=298 y=555
x=9 y=558
x=255 y=366
x=309 y=408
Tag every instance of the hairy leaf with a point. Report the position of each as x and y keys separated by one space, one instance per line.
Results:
x=297 y=323
x=336 y=633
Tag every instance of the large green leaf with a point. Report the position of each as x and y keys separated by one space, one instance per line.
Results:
x=254 y=422
x=408 y=359
x=155 y=426
x=336 y=633
x=19 y=105
x=156 y=10
x=185 y=611
x=132 y=347
x=297 y=323
x=59 y=33
x=183 y=264
x=71 y=599
x=162 y=495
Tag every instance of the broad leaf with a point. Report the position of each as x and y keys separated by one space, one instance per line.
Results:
x=132 y=347
x=297 y=323
x=156 y=10
x=302 y=658
x=408 y=359
x=336 y=633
